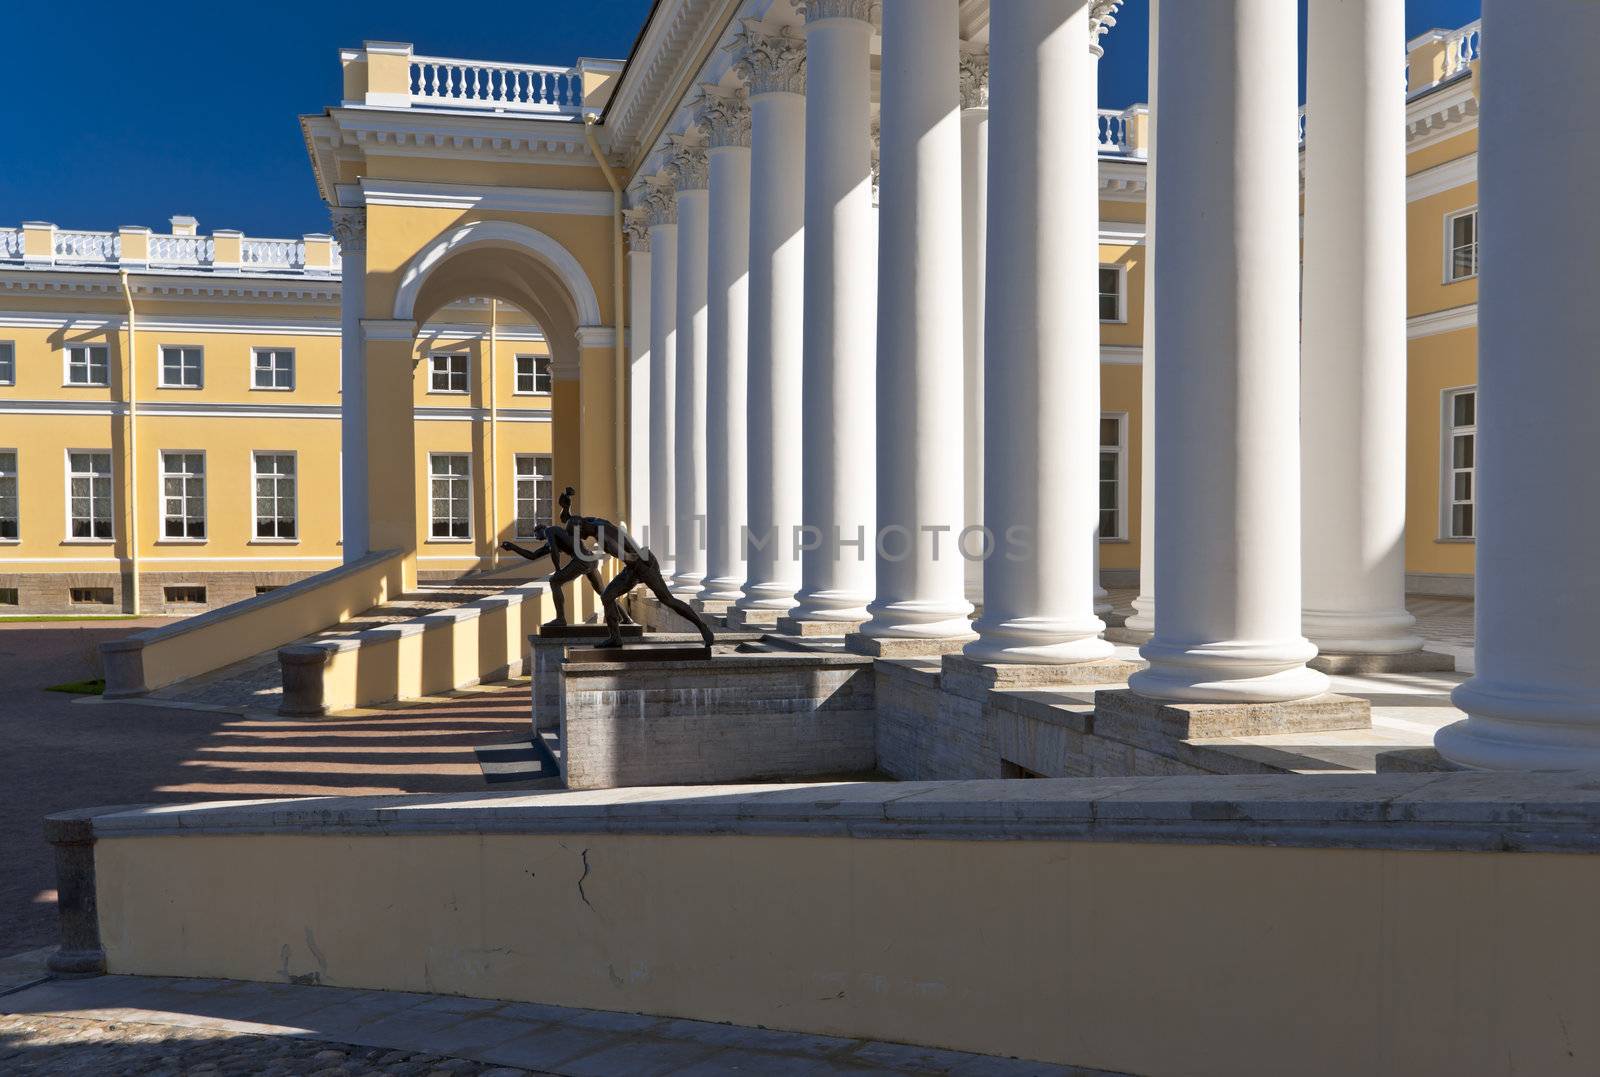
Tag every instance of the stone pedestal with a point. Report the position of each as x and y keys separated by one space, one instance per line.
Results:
x=1418 y=661
x=788 y=626
x=738 y=617
x=1124 y=634
x=711 y=607
x=902 y=647
x=1189 y=721
x=971 y=678
x=548 y=648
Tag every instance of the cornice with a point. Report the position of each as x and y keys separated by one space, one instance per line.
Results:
x=352 y=134
x=1442 y=321
x=156 y=285
x=1122 y=180
x=1441 y=178
x=1442 y=113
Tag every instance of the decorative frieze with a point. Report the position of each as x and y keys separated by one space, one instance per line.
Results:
x=869 y=11
x=350 y=229
x=636 y=226
x=974 y=74
x=769 y=61
x=687 y=163
x=723 y=117
x=1102 y=17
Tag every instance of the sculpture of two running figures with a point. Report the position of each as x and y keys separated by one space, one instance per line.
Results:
x=580 y=542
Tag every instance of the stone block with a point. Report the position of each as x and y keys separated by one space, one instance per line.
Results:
x=1405 y=662
x=741 y=618
x=788 y=626
x=974 y=679
x=1415 y=761
x=897 y=647
x=1123 y=634
x=1202 y=720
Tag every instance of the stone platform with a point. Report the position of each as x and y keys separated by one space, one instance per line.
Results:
x=548 y=647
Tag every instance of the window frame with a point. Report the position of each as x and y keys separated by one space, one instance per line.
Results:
x=1122 y=293
x=466 y=375
x=162 y=538
x=90 y=540
x=8 y=363
x=161 y=366
x=256 y=537
x=255 y=353
x=1121 y=449
x=15 y=475
x=1448 y=432
x=516 y=491
x=1450 y=219
x=66 y=365
x=471 y=508
x=516 y=375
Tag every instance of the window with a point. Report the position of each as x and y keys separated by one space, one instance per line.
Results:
x=276 y=519
x=9 y=597
x=1460 y=462
x=1461 y=246
x=448 y=372
x=1111 y=294
x=181 y=368
x=88 y=364
x=97 y=596
x=183 y=495
x=450 y=496
x=534 y=494
x=184 y=595
x=89 y=495
x=1111 y=484
x=8 y=363
x=272 y=368
x=8 y=495
x=533 y=374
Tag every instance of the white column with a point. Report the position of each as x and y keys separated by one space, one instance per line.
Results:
x=1353 y=371
x=1143 y=617
x=772 y=63
x=663 y=371
x=725 y=118
x=920 y=573
x=640 y=472
x=350 y=229
x=839 y=438
x=1534 y=702
x=1101 y=19
x=1227 y=423
x=1041 y=341
x=689 y=391
x=974 y=208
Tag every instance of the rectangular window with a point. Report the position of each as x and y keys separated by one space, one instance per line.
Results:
x=535 y=498
x=8 y=363
x=1111 y=470
x=274 y=476
x=94 y=596
x=89 y=495
x=184 y=595
x=272 y=368
x=9 y=520
x=448 y=372
x=1460 y=463
x=1461 y=246
x=88 y=364
x=182 y=368
x=533 y=374
x=1110 y=294
x=183 y=495
x=449 y=496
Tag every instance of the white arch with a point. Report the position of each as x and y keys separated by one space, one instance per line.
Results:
x=503 y=234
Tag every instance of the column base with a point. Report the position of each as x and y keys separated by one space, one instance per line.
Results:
x=973 y=678
x=739 y=617
x=75 y=964
x=716 y=607
x=1418 y=661
x=903 y=646
x=1124 y=634
x=1190 y=721
x=789 y=626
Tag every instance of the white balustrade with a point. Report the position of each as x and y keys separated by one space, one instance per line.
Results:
x=87 y=246
x=181 y=250
x=273 y=253
x=1461 y=48
x=10 y=243
x=474 y=84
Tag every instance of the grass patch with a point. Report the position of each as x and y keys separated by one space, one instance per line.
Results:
x=19 y=618
x=80 y=688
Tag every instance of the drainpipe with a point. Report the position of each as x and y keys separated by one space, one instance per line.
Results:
x=492 y=487
x=132 y=384
x=619 y=361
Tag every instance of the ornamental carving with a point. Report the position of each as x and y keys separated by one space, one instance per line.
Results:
x=636 y=226
x=974 y=72
x=660 y=201
x=868 y=11
x=769 y=62
x=1102 y=17
x=724 y=117
x=873 y=134
x=350 y=229
x=687 y=163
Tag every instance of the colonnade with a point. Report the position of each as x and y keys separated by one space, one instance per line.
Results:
x=840 y=351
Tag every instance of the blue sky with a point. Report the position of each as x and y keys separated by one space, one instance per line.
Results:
x=135 y=112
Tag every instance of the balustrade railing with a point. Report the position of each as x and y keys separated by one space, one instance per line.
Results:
x=87 y=246
x=141 y=249
x=439 y=82
x=1461 y=48
x=273 y=253
x=10 y=243
x=182 y=250
x=1118 y=132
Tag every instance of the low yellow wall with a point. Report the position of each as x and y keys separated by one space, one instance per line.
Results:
x=1145 y=958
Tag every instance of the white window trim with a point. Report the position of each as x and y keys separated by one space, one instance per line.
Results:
x=1122 y=294
x=1447 y=470
x=1122 y=476
x=1449 y=247
x=11 y=346
x=162 y=539
x=66 y=506
x=516 y=479
x=294 y=371
x=530 y=392
x=161 y=367
x=450 y=392
x=472 y=508
x=257 y=539
x=17 y=453
x=66 y=368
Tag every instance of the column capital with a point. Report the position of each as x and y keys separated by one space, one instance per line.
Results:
x=723 y=116
x=350 y=228
x=1102 y=17
x=875 y=137
x=769 y=61
x=661 y=199
x=867 y=11
x=687 y=163
x=974 y=74
x=636 y=225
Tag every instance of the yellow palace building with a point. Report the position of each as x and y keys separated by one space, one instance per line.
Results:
x=197 y=377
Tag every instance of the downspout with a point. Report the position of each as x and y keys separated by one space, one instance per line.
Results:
x=132 y=384
x=620 y=354
x=492 y=491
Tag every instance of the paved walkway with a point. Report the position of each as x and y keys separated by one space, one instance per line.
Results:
x=151 y=1025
